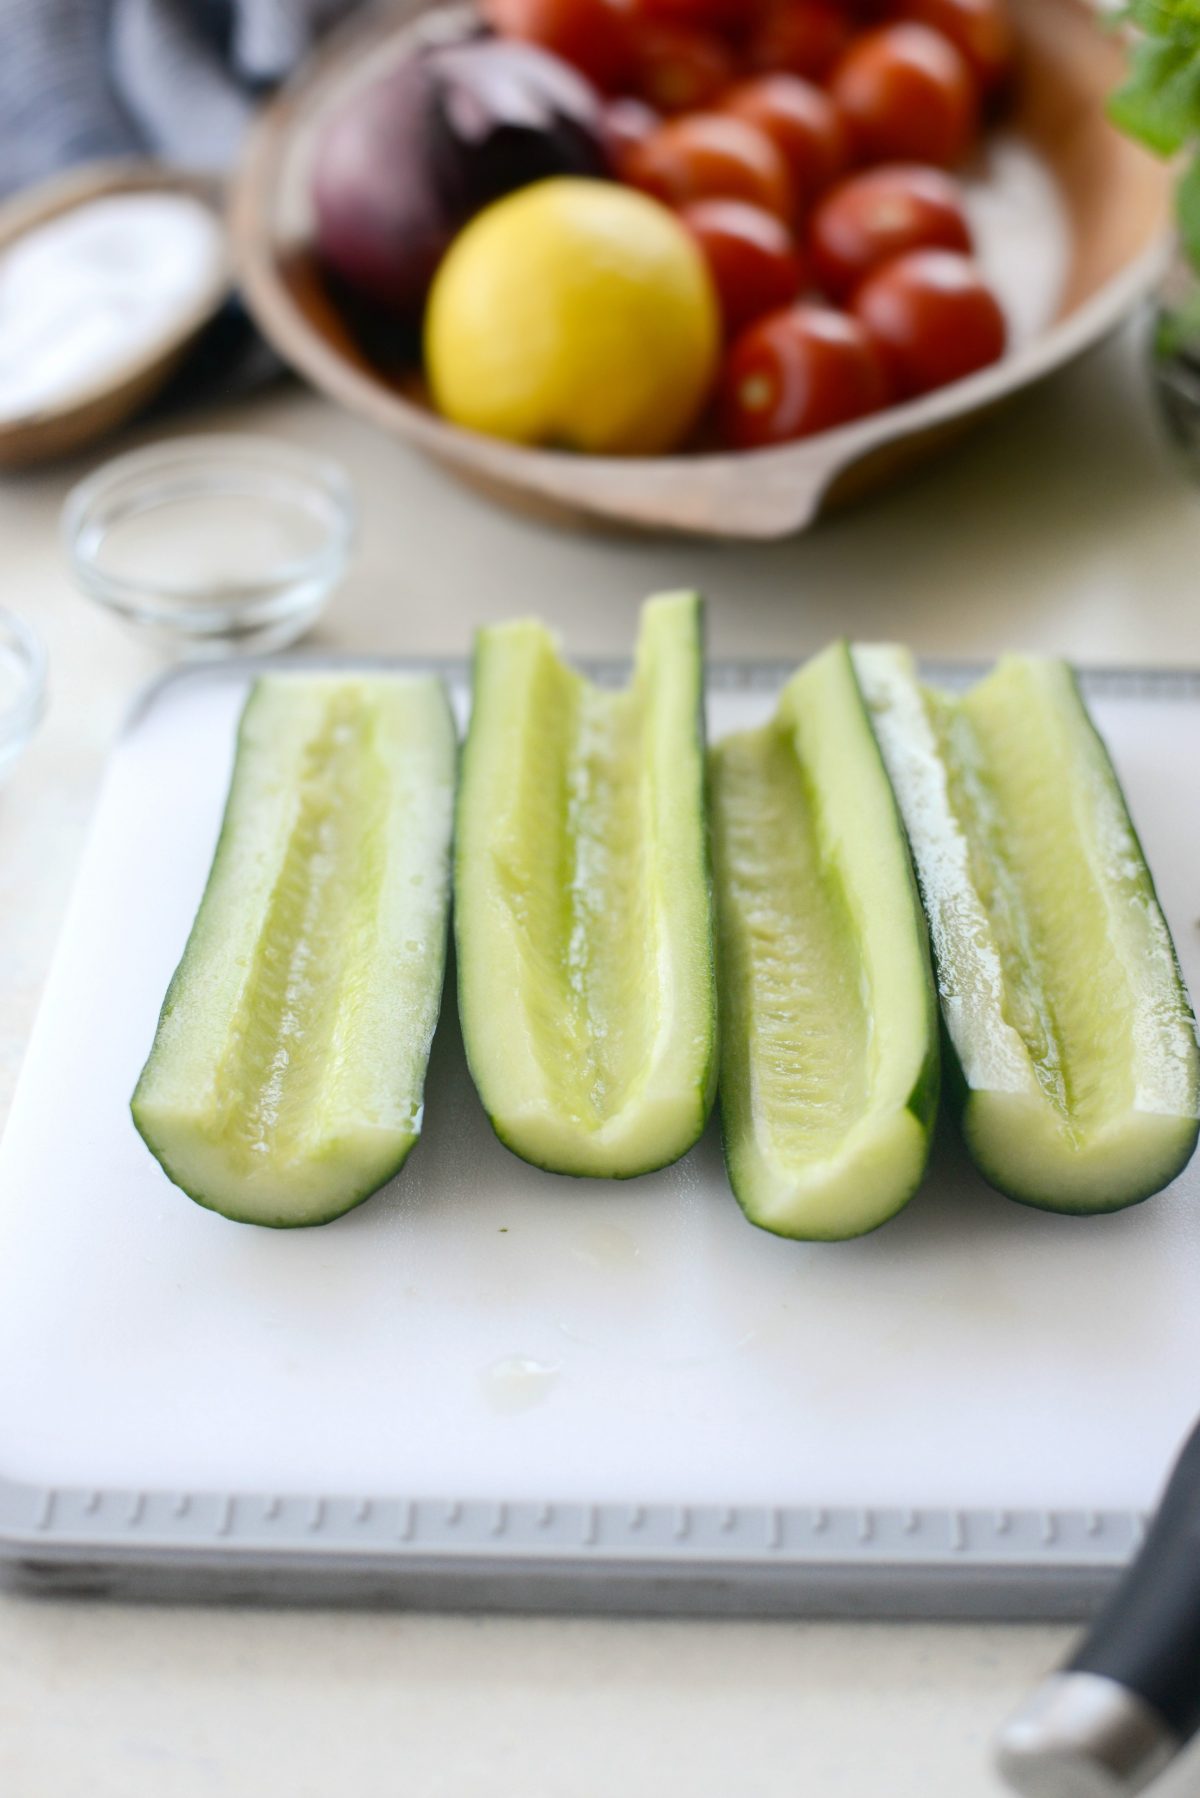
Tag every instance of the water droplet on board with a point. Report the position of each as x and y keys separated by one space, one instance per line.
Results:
x=606 y=1245
x=517 y=1382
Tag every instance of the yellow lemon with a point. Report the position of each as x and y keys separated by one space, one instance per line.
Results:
x=574 y=313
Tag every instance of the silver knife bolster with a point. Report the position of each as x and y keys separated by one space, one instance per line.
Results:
x=1081 y=1735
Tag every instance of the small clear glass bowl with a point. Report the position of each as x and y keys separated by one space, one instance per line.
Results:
x=22 y=686
x=212 y=546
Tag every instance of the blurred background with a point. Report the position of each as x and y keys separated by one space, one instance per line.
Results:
x=361 y=326
x=82 y=80
x=739 y=259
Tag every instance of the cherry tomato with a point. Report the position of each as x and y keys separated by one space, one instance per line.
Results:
x=680 y=68
x=591 y=34
x=980 y=30
x=709 y=156
x=753 y=258
x=798 y=371
x=627 y=122
x=932 y=318
x=802 y=122
x=906 y=96
x=881 y=214
x=712 y=15
x=802 y=37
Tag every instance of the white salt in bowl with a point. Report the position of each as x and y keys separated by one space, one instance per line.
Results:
x=107 y=276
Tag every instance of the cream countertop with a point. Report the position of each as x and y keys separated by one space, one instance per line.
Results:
x=1061 y=527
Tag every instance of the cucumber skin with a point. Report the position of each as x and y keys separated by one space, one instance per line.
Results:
x=466 y=756
x=916 y=1106
x=962 y=1094
x=167 y=1006
x=566 y=1173
x=922 y=1102
x=358 y=1197
x=922 y=1105
x=707 y=1089
x=271 y=1223
x=1007 y=1189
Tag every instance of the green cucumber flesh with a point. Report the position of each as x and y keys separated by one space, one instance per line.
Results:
x=582 y=899
x=829 y=1050
x=1060 y=989
x=286 y=1079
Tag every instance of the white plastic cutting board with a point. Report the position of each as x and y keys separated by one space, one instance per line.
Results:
x=487 y=1330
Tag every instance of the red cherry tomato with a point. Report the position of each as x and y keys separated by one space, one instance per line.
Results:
x=881 y=214
x=980 y=30
x=932 y=318
x=803 y=37
x=680 y=68
x=709 y=156
x=712 y=15
x=591 y=34
x=802 y=122
x=906 y=96
x=753 y=258
x=798 y=371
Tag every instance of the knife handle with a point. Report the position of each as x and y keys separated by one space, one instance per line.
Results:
x=1129 y=1698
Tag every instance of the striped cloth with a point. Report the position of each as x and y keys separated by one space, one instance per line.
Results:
x=178 y=78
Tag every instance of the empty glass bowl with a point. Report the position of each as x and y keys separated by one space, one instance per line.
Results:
x=212 y=545
x=22 y=686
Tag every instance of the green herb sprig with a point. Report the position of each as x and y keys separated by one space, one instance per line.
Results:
x=1159 y=102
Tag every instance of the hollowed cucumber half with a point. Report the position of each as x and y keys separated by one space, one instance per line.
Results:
x=829 y=1049
x=582 y=899
x=286 y=1079
x=1060 y=990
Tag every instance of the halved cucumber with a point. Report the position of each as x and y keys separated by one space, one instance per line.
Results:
x=286 y=1078
x=582 y=905
x=1060 y=989
x=829 y=1057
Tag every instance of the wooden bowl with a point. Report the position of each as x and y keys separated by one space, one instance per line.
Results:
x=1071 y=218
x=102 y=404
